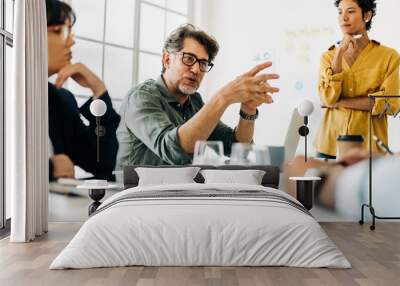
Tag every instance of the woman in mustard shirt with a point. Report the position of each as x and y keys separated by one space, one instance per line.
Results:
x=351 y=71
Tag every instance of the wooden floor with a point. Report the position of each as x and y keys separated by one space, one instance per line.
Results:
x=375 y=257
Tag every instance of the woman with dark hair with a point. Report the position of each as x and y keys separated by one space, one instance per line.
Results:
x=349 y=72
x=73 y=142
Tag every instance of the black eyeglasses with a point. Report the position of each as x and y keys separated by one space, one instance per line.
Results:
x=189 y=59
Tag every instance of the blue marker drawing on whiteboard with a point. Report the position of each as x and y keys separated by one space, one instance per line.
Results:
x=264 y=55
x=267 y=56
x=257 y=58
x=298 y=85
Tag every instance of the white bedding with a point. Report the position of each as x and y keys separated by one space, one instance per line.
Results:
x=221 y=231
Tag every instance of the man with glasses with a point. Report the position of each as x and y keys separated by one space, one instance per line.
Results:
x=162 y=119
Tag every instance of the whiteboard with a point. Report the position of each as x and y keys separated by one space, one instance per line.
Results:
x=293 y=35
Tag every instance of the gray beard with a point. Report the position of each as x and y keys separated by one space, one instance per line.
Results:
x=187 y=91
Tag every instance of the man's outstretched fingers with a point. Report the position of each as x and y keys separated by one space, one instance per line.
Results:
x=258 y=68
x=264 y=77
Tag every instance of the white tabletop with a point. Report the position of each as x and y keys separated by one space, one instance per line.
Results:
x=94 y=187
x=305 y=178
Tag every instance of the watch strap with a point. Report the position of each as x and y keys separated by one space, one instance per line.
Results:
x=246 y=116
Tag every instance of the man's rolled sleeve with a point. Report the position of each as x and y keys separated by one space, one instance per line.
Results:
x=148 y=121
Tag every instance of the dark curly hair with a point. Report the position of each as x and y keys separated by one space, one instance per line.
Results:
x=58 y=12
x=174 y=42
x=366 y=6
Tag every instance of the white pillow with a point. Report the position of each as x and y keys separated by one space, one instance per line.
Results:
x=166 y=176
x=248 y=177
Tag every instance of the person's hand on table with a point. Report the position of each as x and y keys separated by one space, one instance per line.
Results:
x=63 y=167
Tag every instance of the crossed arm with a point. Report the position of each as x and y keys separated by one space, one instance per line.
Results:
x=362 y=103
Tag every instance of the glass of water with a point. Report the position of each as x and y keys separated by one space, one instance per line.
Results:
x=241 y=154
x=208 y=153
x=248 y=154
x=261 y=155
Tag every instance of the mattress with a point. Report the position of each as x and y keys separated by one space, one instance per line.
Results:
x=201 y=225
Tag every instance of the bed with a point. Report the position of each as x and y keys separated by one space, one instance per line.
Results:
x=201 y=224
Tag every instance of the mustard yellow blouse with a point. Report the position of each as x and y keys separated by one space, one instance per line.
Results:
x=375 y=72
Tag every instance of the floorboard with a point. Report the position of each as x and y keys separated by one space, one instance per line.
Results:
x=375 y=257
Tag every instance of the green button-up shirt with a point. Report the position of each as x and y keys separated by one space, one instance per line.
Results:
x=150 y=118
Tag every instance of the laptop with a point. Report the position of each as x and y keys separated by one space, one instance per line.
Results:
x=281 y=154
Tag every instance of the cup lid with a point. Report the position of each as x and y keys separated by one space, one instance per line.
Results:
x=350 y=138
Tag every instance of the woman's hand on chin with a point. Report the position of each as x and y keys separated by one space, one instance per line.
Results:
x=83 y=76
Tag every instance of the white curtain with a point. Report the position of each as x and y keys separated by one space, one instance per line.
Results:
x=27 y=123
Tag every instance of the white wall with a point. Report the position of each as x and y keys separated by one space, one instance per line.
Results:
x=293 y=34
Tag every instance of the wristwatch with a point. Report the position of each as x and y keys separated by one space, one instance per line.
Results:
x=246 y=116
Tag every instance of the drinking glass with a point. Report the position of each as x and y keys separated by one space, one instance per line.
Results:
x=241 y=154
x=208 y=153
x=261 y=154
x=248 y=154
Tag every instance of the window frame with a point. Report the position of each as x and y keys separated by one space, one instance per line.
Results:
x=136 y=51
x=6 y=39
